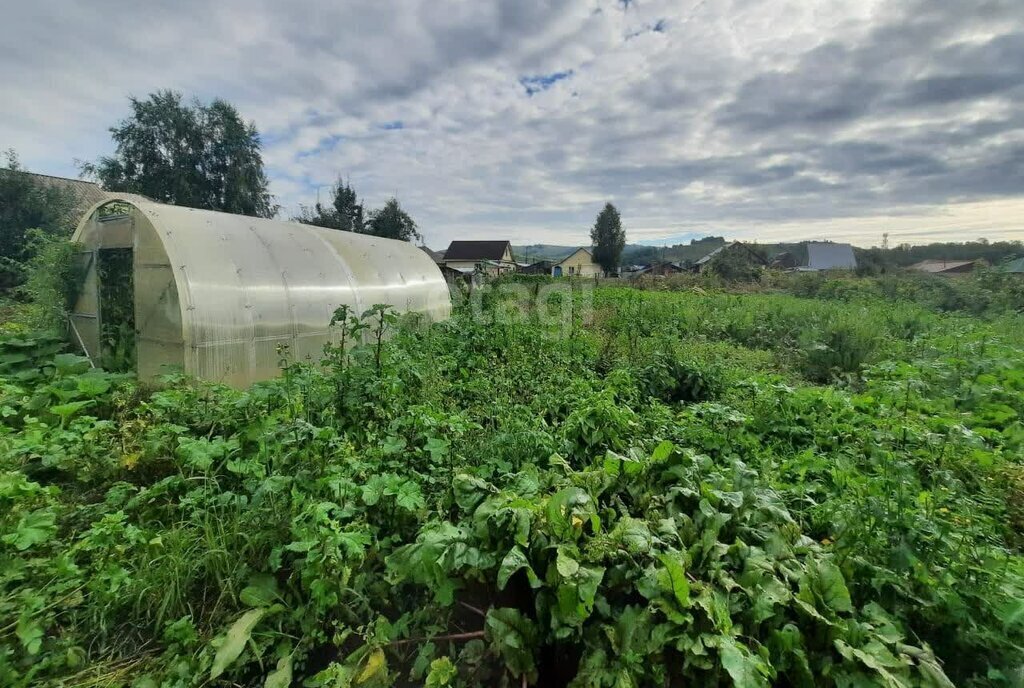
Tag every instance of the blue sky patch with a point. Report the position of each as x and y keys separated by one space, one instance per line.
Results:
x=393 y=125
x=542 y=82
x=325 y=145
x=659 y=26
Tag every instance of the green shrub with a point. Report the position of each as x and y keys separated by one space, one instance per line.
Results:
x=52 y=283
x=674 y=378
x=838 y=346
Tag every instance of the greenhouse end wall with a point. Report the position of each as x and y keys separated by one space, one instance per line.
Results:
x=217 y=295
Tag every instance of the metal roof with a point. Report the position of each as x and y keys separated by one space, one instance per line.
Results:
x=732 y=244
x=1014 y=266
x=829 y=256
x=477 y=250
x=701 y=261
x=941 y=265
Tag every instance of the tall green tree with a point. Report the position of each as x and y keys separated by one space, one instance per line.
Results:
x=194 y=155
x=344 y=212
x=608 y=238
x=26 y=204
x=391 y=222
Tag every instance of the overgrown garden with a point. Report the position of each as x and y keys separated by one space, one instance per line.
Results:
x=678 y=488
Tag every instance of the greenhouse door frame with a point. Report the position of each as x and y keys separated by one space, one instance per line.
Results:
x=87 y=266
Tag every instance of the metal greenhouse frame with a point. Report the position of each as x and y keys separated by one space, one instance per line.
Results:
x=215 y=295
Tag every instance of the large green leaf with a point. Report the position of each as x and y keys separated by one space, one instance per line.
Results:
x=675 y=580
x=69 y=409
x=234 y=641
x=93 y=385
x=514 y=561
x=70 y=364
x=409 y=497
x=566 y=510
x=745 y=670
x=261 y=591
x=281 y=676
x=30 y=633
x=825 y=581
x=565 y=564
x=514 y=637
x=34 y=528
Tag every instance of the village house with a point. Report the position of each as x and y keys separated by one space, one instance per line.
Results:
x=541 y=267
x=828 y=256
x=579 y=263
x=489 y=257
x=947 y=267
x=659 y=269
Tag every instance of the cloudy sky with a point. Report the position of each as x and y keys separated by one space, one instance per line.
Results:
x=758 y=119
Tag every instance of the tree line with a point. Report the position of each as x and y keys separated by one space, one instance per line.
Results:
x=205 y=155
x=192 y=154
x=344 y=211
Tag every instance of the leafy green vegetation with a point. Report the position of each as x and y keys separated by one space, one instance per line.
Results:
x=194 y=154
x=117 y=291
x=983 y=293
x=685 y=488
x=29 y=212
x=608 y=238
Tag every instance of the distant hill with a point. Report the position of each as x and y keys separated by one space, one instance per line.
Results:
x=535 y=252
x=632 y=254
x=637 y=254
x=678 y=253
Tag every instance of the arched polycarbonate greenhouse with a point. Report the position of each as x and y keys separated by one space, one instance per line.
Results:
x=216 y=295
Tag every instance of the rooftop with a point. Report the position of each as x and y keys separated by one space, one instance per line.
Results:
x=828 y=256
x=88 y=193
x=941 y=265
x=477 y=250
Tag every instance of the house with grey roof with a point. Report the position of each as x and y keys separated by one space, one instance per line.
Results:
x=491 y=257
x=946 y=267
x=1015 y=267
x=828 y=256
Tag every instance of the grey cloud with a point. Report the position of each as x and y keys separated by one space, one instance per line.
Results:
x=749 y=111
x=870 y=158
x=940 y=90
x=778 y=101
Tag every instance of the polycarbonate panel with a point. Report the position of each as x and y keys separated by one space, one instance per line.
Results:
x=249 y=285
x=391 y=272
x=252 y=285
x=157 y=307
x=230 y=363
x=157 y=358
x=219 y=294
x=115 y=232
x=157 y=311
